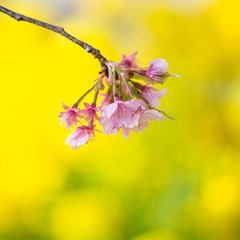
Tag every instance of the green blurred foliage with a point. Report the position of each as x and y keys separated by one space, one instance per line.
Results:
x=177 y=180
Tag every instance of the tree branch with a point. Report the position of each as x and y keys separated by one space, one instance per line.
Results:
x=60 y=30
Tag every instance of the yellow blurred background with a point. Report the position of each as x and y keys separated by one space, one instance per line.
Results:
x=176 y=180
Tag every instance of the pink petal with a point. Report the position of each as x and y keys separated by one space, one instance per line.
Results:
x=79 y=142
x=87 y=105
x=158 y=63
x=65 y=106
x=153 y=115
x=142 y=104
x=71 y=136
x=110 y=109
x=114 y=130
x=76 y=109
x=152 y=98
x=126 y=132
x=106 y=128
x=104 y=120
x=160 y=94
x=124 y=57
x=134 y=120
x=132 y=57
x=132 y=105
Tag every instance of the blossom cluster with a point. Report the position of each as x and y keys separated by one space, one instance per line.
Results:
x=127 y=105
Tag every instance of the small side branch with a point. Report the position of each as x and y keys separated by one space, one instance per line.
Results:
x=61 y=31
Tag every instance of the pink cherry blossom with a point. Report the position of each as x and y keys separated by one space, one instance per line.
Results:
x=118 y=114
x=130 y=61
x=141 y=120
x=157 y=67
x=156 y=73
x=150 y=94
x=89 y=112
x=145 y=116
x=69 y=117
x=80 y=136
x=119 y=110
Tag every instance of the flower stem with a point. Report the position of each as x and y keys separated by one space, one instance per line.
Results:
x=120 y=88
x=111 y=93
x=114 y=83
x=165 y=114
x=127 y=86
x=136 y=94
x=95 y=99
x=75 y=105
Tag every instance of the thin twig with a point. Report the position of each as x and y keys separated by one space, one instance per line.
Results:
x=129 y=91
x=75 y=105
x=60 y=30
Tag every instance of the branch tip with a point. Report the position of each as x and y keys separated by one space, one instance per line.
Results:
x=61 y=31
